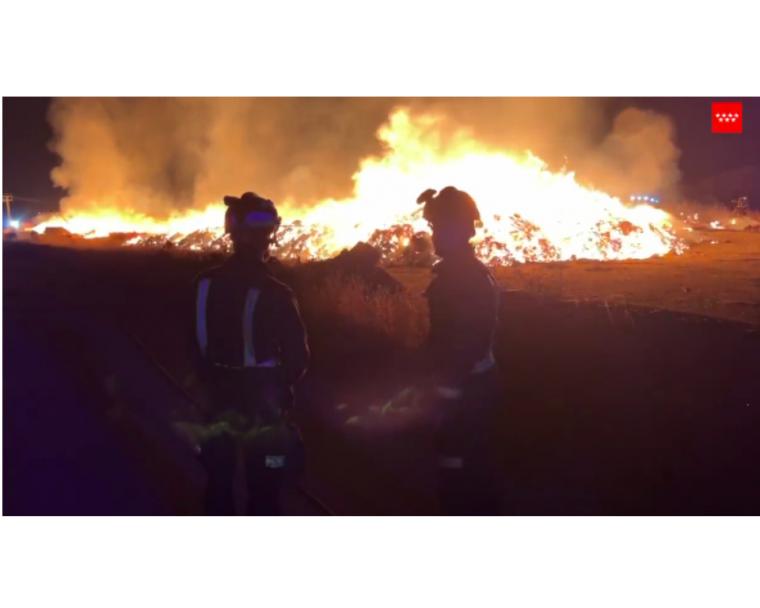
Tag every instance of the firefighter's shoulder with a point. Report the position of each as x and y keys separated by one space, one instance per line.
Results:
x=208 y=273
x=281 y=290
x=467 y=273
x=470 y=286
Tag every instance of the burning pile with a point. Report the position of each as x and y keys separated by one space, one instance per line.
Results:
x=528 y=212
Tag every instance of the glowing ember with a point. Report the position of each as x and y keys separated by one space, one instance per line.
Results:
x=529 y=213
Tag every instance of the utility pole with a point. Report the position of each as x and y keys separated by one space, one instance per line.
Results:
x=7 y=200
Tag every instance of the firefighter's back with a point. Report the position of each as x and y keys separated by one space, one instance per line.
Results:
x=237 y=313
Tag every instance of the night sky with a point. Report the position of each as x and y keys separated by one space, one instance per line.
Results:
x=714 y=167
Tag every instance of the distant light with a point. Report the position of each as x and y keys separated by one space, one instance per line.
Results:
x=644 y=198
x=14 y=224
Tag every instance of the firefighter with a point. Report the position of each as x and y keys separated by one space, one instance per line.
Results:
x=252 y=349
x=463 y=302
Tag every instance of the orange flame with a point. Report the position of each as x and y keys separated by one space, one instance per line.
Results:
x=528 y=212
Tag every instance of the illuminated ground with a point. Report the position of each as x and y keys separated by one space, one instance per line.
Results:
x=717 y=277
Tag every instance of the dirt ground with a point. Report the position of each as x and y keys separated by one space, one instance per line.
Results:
x=718 y=276
x=615 y=400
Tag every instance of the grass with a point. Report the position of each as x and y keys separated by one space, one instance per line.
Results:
x=400 y=317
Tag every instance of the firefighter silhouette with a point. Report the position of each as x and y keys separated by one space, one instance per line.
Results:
x=251 y=350
x=463 y=302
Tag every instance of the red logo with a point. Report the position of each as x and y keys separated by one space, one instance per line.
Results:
x=727 y=117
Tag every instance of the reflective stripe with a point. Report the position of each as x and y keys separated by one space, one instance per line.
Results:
x=249 y=354
x=450 y=462
x=268 y=363
x=256 y=219
x=274 y=461
x=484 y=364
x=448 y=392
x=201 y=332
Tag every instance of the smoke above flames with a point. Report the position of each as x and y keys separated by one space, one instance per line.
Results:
x=160 y=156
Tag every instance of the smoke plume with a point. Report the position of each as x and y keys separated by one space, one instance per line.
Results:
x=159 y=155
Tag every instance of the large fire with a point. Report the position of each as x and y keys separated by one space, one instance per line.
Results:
x=529 y=213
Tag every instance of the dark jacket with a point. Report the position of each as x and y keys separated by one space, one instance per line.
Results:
x=463 y=299
x=245 y=319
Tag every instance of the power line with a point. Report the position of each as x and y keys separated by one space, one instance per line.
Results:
x=8 y=200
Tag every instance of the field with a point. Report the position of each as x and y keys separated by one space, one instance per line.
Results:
x=719 y=276
x=631 y=387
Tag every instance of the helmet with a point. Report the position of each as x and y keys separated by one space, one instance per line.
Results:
x=250 y=212
x=449 y=206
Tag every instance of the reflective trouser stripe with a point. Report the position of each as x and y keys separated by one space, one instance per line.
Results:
x=274 y=461
x=486 y=363
x=448 y=392
x=249 y=354
x=201 y=332
x=267 y=363
x=450 y=462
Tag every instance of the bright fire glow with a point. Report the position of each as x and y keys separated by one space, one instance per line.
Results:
x=529 y=213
